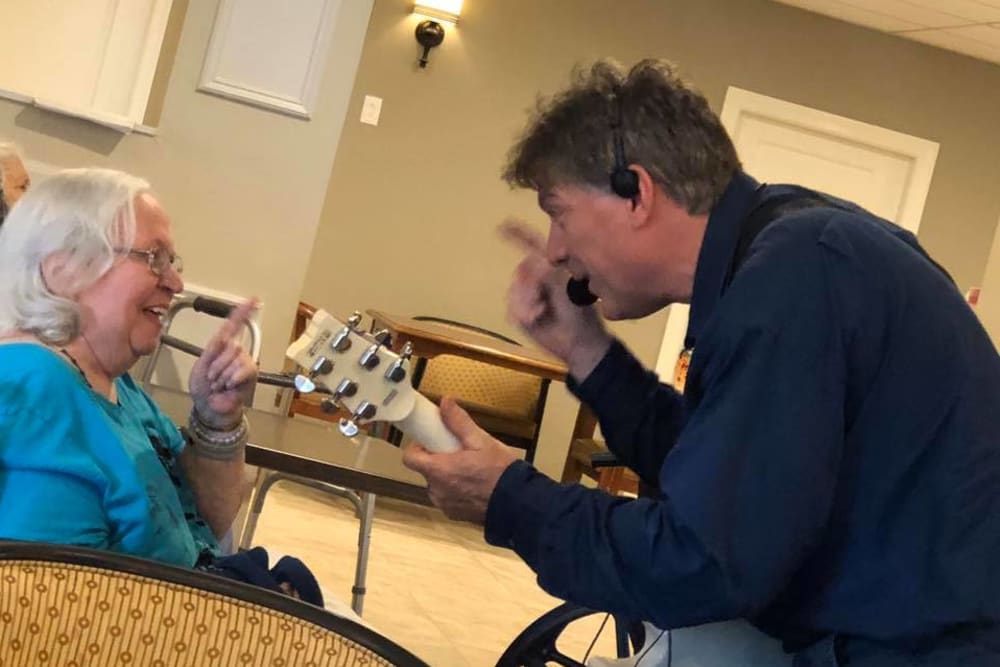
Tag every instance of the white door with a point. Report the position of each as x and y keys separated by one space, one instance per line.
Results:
x=885 y=171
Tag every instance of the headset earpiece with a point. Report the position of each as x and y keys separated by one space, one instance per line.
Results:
x=624 y=181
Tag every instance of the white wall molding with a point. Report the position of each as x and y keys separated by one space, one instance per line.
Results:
x=270 y=54
x=131 y=56
x=97 y=62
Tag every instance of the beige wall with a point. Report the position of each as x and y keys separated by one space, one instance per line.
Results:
x=412 y=204
x=244 y=186
x=989 y=299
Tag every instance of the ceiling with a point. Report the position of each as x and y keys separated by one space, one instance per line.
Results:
x=971 y=27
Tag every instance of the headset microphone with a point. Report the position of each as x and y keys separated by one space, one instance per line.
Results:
x=578 y=291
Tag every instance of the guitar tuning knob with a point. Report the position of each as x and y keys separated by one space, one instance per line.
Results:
x=322 y=366
x=364 y=412
x=397 y=371
x=348 y=428
x=306 y=384
x=370 y=359
x=346 y=388
x=342 y=341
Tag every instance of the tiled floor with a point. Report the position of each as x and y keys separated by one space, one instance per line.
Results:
x=434 y=586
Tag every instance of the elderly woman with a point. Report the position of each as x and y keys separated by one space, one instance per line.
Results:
x=87 y=269
x=14 y=179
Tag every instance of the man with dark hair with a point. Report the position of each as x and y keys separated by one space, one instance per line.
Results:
x=831 y=472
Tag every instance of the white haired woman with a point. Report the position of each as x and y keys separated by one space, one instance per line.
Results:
x=87 y=268
x=14 y=178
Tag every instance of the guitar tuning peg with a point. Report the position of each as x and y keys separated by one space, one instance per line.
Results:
x=306 y=384
x=322 y=366
x=397 y=371
x=364 y=412
x=342 y=341
x=348 y=428
x=370 y=359
x=346 y=388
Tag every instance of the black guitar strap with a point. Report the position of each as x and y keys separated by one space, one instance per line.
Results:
x=761 y=215
x=767 y=212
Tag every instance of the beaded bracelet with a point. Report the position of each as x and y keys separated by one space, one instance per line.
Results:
x=215 y=444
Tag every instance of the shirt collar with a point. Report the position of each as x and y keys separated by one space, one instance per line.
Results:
x=717 y=249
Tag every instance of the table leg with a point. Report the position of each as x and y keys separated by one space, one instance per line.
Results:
x=586 y=423
x=256 y=504
x=364 y=542
x=584 y=428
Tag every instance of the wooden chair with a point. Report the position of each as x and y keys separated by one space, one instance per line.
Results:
x=506 y=403
x=590 y=457
x=63 y=605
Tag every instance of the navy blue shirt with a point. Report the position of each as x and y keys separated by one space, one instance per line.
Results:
x=833 y=467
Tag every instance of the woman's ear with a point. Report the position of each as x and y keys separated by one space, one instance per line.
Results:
x=57 y=276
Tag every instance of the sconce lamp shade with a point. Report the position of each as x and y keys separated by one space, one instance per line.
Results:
x=429 y=34
x=445 y=10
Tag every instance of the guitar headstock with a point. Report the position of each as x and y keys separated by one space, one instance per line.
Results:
x=358 y=371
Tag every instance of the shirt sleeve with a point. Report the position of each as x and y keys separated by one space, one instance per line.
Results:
x=746 y=490
x=49 y=492
x=639 y=416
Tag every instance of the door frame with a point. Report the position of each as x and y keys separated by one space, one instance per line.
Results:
x=740 y=104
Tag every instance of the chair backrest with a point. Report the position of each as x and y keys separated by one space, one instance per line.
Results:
x=199 y=304
x=507 y=403
x=64 y=605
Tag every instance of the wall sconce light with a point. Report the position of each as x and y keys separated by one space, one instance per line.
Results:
x=430 y=32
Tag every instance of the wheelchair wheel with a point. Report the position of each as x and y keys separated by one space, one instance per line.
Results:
x=537 y=646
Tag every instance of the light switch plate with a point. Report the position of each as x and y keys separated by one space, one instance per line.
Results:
x=371 y=109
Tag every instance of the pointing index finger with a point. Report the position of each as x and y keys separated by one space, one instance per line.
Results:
x=522 y=235
x=238 y=317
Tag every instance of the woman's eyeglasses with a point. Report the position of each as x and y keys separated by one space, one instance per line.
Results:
x=158 y=259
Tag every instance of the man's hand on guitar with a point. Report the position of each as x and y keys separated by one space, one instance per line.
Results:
x=537 y=302
x=461 y=483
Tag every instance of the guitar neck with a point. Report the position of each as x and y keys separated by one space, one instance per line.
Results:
x=424 y=425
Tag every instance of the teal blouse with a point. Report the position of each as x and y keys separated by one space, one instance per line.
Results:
x=78 y=469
